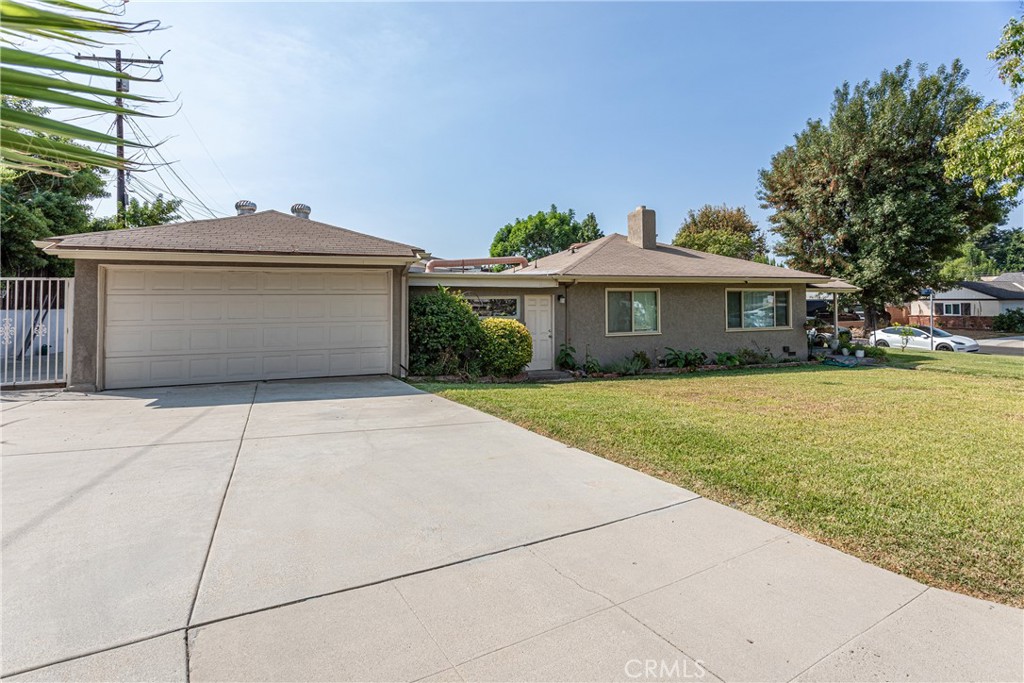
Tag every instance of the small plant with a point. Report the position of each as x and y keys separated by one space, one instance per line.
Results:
x=906 y=333
x=643 y=359
x=630 y=365
x=566 y=358
x=1009 y=321
x=875 y=352
x=753 y=356
x=844 y=339
x=727 y=359
x=674 y=358
x=590 y=364
x=507 y=347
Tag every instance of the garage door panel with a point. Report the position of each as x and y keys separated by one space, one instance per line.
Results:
x=191 y=325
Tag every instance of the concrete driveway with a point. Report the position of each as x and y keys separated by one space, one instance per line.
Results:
x=1003 y=346
x=362 y=530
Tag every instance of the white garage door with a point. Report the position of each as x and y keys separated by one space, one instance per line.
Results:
x=187 y=326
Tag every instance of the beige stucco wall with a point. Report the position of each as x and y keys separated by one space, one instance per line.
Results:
x=86 y=322
x=692 y=316
x=979 y=307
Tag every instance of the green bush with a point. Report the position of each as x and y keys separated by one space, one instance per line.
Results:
x=444 y=333
x=728 y=359
x=507 y=347
x=1009 y=321
x=643 y=359
x=756 y=356
x=875 y=352
x=674 y=358
x=630 y=365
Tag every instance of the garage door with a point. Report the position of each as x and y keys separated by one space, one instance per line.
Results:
x=187 y=326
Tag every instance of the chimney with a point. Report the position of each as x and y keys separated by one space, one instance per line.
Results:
x=641 y=231
x=244 y=207
x=300 y=210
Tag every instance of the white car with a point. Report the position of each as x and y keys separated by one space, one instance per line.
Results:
x=922 y=338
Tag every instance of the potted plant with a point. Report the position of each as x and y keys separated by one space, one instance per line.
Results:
x=858 y=351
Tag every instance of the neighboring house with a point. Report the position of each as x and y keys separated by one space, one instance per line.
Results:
x=626 y=293
x=972 y=305
x=269 y=295
x=255 y=296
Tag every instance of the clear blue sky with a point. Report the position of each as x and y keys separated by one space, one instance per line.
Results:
x=436 y=124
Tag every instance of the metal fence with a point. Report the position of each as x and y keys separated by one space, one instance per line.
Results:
x=35 y=330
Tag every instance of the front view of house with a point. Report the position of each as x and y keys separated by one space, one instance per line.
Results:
x=268 y=295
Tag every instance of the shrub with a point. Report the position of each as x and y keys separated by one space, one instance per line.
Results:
x=507 y=347
x=566 y=359
x=444 y=333
x=630 y=365
x=753 y=356
x=591 y=364
x=1009 y=321
x=674 y=358
x=643 y=359
x=728 y=359
x=875 y=352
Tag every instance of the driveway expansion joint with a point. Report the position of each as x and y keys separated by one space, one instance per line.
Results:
x=445 y=565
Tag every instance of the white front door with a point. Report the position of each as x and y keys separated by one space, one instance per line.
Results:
x=539 y=318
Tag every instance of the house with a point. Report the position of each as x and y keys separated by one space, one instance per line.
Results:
x=260 y=295
x=626 y=293
x=972 y=305
x=270 y=295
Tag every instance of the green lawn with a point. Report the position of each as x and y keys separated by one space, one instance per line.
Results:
x=918 y=467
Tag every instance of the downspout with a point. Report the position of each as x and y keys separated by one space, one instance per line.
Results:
x=403 y=363
x=566 y=313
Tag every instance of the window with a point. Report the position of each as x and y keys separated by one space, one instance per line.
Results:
x=496 y=307
x=750 y=309
x=632 y=311
x=952 y=309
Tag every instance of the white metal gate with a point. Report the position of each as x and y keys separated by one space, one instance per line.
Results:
x=35 y=330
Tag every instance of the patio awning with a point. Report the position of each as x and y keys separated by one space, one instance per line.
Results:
x=834 y=286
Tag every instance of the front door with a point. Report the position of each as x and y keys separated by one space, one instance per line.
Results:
x=540 y=323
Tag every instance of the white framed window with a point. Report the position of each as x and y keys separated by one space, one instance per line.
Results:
x=632 y=311
x=952 y=309
x=757 y=309
x=495 y=306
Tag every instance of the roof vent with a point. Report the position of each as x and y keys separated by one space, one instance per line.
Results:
x=300 y=210
x=244 y=207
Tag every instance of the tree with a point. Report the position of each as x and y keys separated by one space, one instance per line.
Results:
x=140 y=214
x=722 y=230
x=37 y=205
x=35 y=141
x=971 y=264
x=544 y=233
x=989 y=146
x=864 y=197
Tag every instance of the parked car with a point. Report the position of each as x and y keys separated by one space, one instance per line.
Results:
x=823 y=336
x=922 y=338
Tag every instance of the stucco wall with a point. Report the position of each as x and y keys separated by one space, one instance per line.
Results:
x=84 y=327
x=86 y=323
x=692 y=316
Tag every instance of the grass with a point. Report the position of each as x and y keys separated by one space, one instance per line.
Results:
x=918 y=468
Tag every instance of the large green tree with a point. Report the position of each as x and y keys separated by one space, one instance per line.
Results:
x=722 y=230
x=989 y=146
x=864 y=196
x=544 y=233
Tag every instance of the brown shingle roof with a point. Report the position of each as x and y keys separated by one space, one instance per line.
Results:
x=615 y=257
x=265 y=232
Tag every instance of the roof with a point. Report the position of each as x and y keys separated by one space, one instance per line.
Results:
x=614 y=257
x=999 y=289
x=264 y=232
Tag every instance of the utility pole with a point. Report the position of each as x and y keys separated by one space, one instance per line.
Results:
x=121 y=86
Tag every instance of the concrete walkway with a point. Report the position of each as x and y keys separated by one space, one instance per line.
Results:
x=362 y=530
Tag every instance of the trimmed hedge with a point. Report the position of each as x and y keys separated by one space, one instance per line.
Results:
x=507 y=347
x=1009 y=321
x=444 y=334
